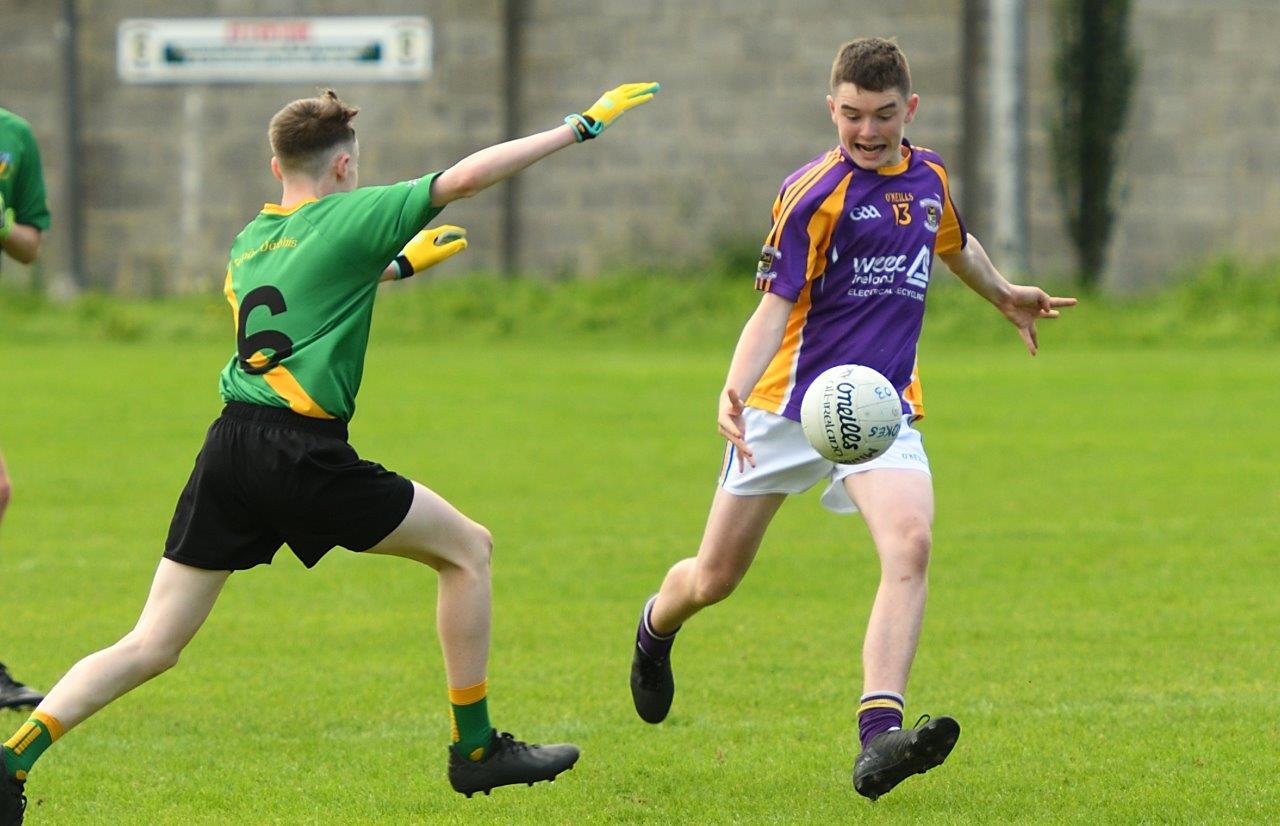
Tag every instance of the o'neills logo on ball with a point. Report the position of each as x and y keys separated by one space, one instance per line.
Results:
x=839 y=422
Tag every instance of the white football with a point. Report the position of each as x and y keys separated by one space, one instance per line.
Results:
x=851 y=414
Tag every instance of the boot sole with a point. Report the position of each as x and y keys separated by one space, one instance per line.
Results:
x=551 y=778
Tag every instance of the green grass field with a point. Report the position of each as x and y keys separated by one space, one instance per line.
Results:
x=1102 y=619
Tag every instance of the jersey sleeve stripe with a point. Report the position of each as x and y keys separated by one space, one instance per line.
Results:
x=800 y=185
x=229 y=292
x=774 y=387
x=796 y=193
x=777 y=207
x=820 y=227
x=949 y=235
x=913 y=395
x=764 y=285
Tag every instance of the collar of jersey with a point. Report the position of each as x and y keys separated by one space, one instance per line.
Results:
x=276 y=209
x=896 y=169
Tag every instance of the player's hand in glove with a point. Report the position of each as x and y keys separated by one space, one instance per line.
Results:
x=430 y=247
x=7 y=218
x=611 y=106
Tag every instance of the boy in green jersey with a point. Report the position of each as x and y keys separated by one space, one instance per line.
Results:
x=24 y=217
x=276 y=467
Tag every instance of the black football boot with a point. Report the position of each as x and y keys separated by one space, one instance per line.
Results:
x=14 y=694
x=893 y=756
x=509 y=761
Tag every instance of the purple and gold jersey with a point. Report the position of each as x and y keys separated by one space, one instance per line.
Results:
x=853 y=249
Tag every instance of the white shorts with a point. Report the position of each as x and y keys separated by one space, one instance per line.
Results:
x=787 y=463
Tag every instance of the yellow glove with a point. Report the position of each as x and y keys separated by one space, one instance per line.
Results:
x=7 y=218
x=612 y=105
x=430 y=247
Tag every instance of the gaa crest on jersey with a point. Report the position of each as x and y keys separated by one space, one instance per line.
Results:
x=765 y=269
x=932 y=213
x=6 y=166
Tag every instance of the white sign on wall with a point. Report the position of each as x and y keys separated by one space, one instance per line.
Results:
x=273 y=50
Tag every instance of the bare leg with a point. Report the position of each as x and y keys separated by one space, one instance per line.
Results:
x=735 y=528
x=437 y=534
x=180 y=600
x=5 y=488
x=898 y=508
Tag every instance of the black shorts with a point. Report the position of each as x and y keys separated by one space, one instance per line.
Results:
x=267 y=476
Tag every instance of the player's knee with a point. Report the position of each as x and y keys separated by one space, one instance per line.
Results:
x=484 y=545
x=6 y=490
x=477 y=548
x=711 y=587
x=156 y=658
x=911 y=551
x=149 y=658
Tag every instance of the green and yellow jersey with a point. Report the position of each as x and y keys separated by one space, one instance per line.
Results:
x=301 y=283
x=21 y=178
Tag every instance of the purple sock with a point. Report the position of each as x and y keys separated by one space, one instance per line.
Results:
x=653 y=643
x=879 y=712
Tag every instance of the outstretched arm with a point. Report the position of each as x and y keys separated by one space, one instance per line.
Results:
x=1022 y=305
x=497 y=163
x=757 y=346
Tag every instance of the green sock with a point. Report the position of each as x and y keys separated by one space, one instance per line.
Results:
x=469 y=712
x=23 y=749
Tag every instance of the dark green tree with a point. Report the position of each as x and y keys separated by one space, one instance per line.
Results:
x=1095 y=70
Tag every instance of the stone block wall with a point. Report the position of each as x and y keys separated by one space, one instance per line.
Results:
x=170 y=174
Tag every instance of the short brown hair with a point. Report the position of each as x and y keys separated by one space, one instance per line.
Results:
x=872 y=63
x=304 y=132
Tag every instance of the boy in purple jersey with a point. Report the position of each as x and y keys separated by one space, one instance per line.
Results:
x=844 y=273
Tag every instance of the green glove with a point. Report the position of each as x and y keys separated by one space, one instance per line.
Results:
x=612 y=105
x=430 y=247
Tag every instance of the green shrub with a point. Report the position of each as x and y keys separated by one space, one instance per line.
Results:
x=1224 y=300
x=1095 y=70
